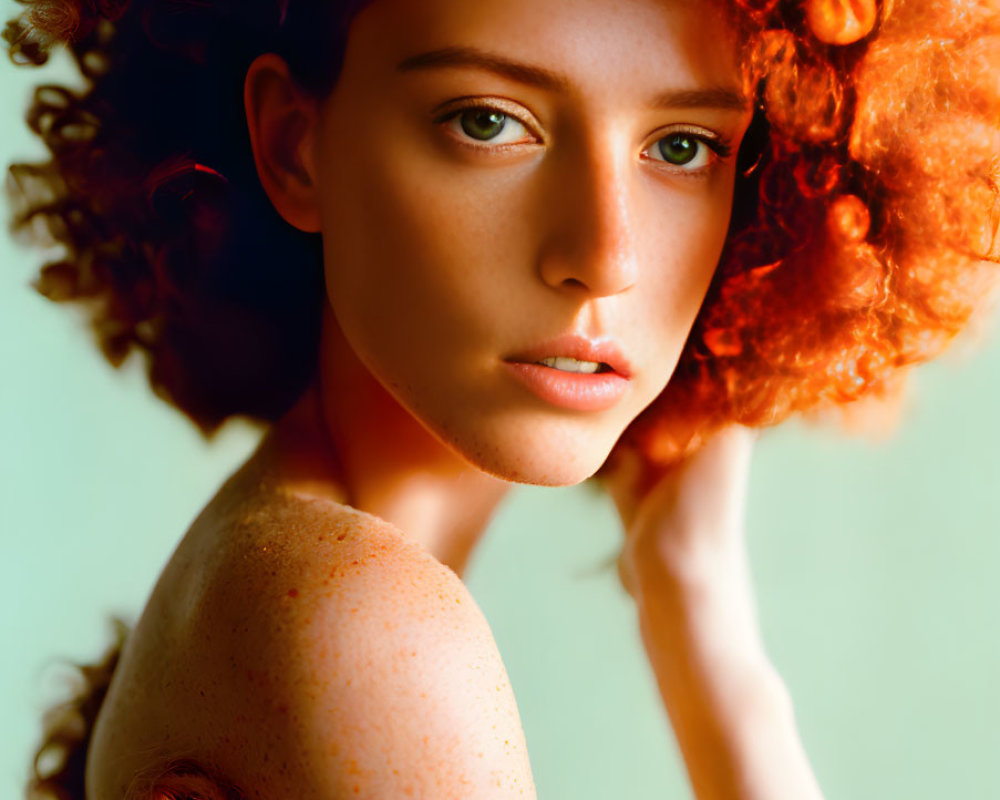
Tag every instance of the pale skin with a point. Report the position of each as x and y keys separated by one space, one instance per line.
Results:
x=311 y=637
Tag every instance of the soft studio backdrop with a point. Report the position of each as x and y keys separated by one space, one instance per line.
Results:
x=876 y=565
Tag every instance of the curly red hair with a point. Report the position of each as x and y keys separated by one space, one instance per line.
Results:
x=863 y=238
x=874 y=234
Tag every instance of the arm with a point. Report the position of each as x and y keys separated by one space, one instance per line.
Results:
x=685 y=564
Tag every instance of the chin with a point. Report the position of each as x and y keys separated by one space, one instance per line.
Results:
x=538 y=474
x=549 y=455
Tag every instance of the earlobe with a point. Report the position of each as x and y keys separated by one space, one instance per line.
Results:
x=281 y=119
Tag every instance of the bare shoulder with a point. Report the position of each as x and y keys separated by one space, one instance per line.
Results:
x=324 y=570
x=324 y=655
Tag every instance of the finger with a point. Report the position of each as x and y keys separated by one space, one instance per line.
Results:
x=725 y=458
x=704 y=499
x=719 y=472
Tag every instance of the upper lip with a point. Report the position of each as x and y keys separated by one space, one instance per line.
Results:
x=582 y=348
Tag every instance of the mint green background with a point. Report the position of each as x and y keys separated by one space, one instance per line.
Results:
x=876 y=566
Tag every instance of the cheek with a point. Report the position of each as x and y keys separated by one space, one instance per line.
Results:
x=682 y=242
x=409 y=241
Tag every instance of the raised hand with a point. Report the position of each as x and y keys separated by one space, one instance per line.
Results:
x=685 y=564
x=686 y=517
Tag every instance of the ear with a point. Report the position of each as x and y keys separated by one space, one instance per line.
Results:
x=282 y=119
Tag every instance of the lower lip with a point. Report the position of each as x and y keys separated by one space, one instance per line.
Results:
x=573 y=390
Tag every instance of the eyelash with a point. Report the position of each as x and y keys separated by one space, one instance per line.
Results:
x=718 y=147
x=453 y=119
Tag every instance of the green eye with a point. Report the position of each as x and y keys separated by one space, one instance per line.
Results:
x=483 y=123
x=678 y=149
x=488 y=127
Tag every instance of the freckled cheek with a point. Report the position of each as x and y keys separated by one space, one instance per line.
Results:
x=417 y=242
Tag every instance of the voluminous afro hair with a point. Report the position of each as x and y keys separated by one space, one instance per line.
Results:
x=864 y=234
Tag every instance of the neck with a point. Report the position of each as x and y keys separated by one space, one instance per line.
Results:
x=348 y=440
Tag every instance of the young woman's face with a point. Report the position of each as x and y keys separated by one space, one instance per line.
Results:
x=514 y=192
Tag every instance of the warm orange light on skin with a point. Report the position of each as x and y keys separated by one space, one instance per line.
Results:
x=444 y=255
x=297 y=647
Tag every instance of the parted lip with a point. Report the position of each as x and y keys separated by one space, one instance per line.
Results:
x=579 y=347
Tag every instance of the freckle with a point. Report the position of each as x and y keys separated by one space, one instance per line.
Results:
x=293 y=592
x=354 y=563
x=357 y=789
x=354 y=611
x=341 y=537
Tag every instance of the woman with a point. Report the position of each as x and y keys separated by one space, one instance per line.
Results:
x=428 y=383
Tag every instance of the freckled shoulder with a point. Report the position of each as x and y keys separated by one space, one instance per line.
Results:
x=324 y=655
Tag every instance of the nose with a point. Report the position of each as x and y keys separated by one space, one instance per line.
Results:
x=590 y=247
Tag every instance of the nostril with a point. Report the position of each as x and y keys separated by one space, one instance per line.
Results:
x=574 y=283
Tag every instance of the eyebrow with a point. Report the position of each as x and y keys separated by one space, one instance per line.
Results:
x=716 y=97
x=479 y=59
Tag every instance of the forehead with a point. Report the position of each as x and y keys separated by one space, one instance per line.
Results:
x=599 y=42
